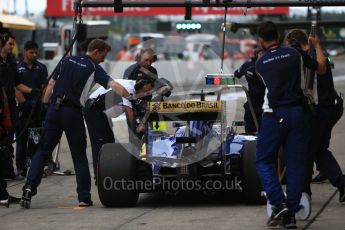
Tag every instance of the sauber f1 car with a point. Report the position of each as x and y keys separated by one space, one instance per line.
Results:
x=187 y=145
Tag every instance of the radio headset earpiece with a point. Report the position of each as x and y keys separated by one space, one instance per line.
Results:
x=147 y=50
x=4 y=38
x=140 y=84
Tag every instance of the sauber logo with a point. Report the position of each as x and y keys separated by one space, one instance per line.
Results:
x=155 y=106
x=186 y=106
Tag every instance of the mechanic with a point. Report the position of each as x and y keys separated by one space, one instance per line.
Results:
x=256 y=91
x=73 y=80
x=329 y=110
x=5 y=127
x=32 y=76
x=9 y=79
x=103 y=100
x=284 y=123
x=142 y=66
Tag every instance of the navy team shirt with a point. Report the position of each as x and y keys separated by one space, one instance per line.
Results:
x=256 y=87
x=75 y=76
x=33 y=78
x=281 y=69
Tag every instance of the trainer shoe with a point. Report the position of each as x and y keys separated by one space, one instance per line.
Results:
x=14 y=200
x=25 y=202
x=289 y=221
x=277 y=212
x=5 y=203
x=85 y=204
x=341 y=195
x=319 y=178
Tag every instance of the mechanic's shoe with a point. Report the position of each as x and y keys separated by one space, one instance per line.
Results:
x=5 y=203
x=289 y=221
x=15 y=177
x=25 y=202
x=319 y=178
x=342 y=195
x=278 y=212
x=14 y=200
x=85 y=204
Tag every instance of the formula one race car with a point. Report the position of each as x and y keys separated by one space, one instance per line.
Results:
x=188 y=145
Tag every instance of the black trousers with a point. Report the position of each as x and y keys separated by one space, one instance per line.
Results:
x=8 y=156
x=26 y=147
x=3 y=184
x=322 y=124
x=68 y=119
x=99 y=130
x=248 y=118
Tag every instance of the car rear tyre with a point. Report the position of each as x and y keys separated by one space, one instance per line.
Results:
x=116 y=176
x=251 y=185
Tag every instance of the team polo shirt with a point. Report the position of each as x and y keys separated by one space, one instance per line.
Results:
x=75 y=76
x=256 y=87
x=326 y=93
x=32 y=78
x=281 y=69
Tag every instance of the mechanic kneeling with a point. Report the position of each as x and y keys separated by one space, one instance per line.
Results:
x=103 y=101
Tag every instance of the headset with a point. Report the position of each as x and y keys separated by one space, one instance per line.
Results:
x=147 y=50
x=4 y=37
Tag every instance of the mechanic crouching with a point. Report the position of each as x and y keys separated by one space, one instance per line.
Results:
x=103 y=102
x=285 y=123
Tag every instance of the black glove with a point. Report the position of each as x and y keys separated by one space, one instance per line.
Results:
x=36 y=92
x=24 y=108
x=44 y=109
x=167 y=94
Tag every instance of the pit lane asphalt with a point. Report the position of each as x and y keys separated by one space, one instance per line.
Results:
x=55 y=206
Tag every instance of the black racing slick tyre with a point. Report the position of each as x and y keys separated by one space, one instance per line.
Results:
x=251 y=185
x=116 y=176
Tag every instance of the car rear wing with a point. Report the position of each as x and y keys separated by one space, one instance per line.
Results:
x=185 y=110
x=227 y=81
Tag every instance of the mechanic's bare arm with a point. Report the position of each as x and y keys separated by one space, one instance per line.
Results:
x=6 y=106
x=19 y=96
x=44 y=89
x=23 y=88
x=320 y=57
x=5 y=98
x=49 y=91
x=118 y=88
x=129 y=112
